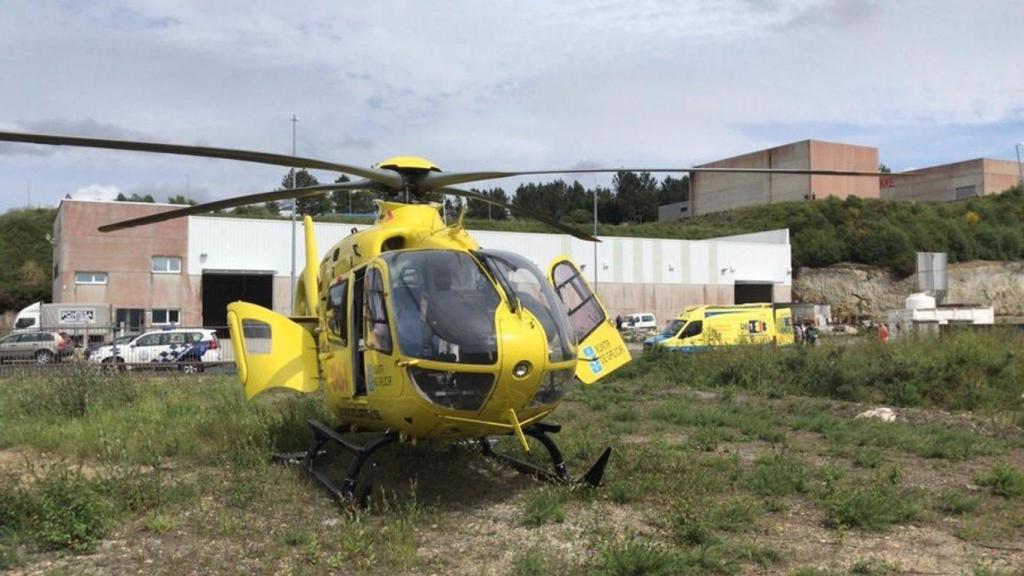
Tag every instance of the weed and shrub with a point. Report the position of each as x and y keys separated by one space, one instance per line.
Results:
x=543 y=506
x=1003 y=480
x=956 y=502
x=962 y=370
x=873 y=506
x=777 y=474
x=633 y=556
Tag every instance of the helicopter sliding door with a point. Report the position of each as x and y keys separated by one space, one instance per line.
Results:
x=601 y=348
x=271 y=351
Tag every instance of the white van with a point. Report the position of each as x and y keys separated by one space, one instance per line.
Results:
x=639 y=321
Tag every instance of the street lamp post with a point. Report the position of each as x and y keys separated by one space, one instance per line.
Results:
x=595 y=236
x=291 y=306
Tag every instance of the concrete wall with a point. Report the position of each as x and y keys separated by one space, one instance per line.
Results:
x=1000 y=175
x=937 y=183
x=245 y=244
x=833 y=156
x=125 y=256
x=674 y=211
x=666 y=301
x=940 y=183
x=719 y=192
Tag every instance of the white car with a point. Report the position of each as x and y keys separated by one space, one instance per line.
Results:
x=187 y=348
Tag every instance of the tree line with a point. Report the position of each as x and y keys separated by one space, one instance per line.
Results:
x=631 y=198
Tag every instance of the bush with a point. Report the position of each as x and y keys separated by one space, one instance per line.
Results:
x=72 y=392
x=636 y=557
x=543 y=506
x=777 y=475
x=1003 y=480
x=68 y=512
x=956 y=502
x=957 y=371
x=873 y=508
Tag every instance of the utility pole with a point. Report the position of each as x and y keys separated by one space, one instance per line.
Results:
x=1020 y=166
x=295 y=208
x=28 y=193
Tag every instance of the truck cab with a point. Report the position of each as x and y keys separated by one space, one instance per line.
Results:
x=27 y=319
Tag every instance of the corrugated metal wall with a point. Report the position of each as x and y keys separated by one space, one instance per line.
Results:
x=238 y=244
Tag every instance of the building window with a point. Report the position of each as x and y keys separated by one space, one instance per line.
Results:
x=164 y=317
x=166 y=264
x=90 y=277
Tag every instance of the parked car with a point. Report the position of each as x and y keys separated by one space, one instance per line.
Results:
x=120 y=340
x=187 y=348
x=40 y=347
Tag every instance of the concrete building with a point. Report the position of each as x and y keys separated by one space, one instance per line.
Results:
x=956 y=181
x=719 y=192
x=186 y=271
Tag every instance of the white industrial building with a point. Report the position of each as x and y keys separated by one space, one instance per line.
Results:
x=190 y=269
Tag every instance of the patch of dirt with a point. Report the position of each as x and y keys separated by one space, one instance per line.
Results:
x=915 y=548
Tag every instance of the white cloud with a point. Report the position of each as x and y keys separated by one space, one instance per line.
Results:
x=475 y=85
x=100 y=192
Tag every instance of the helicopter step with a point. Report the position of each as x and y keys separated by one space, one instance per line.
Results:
x=322 y=434
x=560 y=475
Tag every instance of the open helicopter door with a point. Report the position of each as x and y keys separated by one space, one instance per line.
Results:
x=601 y=347
x=271 y=351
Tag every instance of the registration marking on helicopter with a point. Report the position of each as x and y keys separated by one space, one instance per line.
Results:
x=359 y=412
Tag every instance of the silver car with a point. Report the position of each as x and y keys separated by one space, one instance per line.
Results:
x=40 y=347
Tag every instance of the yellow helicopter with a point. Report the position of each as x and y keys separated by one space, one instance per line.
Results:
x=411 y=328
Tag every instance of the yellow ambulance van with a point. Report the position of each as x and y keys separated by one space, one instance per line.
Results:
x=701 y=327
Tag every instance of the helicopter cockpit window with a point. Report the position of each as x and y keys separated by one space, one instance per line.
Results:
x=536 y=295
x=378 y=334
x=338 y=303
x=444 y=306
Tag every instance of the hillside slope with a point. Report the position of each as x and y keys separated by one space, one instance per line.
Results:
x=858 y=290
x=872 y=232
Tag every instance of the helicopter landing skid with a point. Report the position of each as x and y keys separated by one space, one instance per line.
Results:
x=322 y=434
x=560 y=475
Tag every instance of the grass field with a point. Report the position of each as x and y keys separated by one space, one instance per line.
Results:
x=732 y=462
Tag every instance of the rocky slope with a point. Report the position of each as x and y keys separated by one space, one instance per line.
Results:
x=854 y=289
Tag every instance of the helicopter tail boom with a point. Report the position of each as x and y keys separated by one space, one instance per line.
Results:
x=307 y=296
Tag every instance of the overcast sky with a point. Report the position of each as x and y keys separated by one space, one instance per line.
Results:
x=485 y=85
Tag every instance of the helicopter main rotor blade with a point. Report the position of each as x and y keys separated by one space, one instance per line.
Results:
x=239 y=201
x=385 y=177
x=549 y=221
x=436 y=180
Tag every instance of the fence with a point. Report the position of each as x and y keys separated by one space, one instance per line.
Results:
x=183 y=349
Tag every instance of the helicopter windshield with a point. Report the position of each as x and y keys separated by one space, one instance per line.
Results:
x=536 y=295
x=444 y=306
